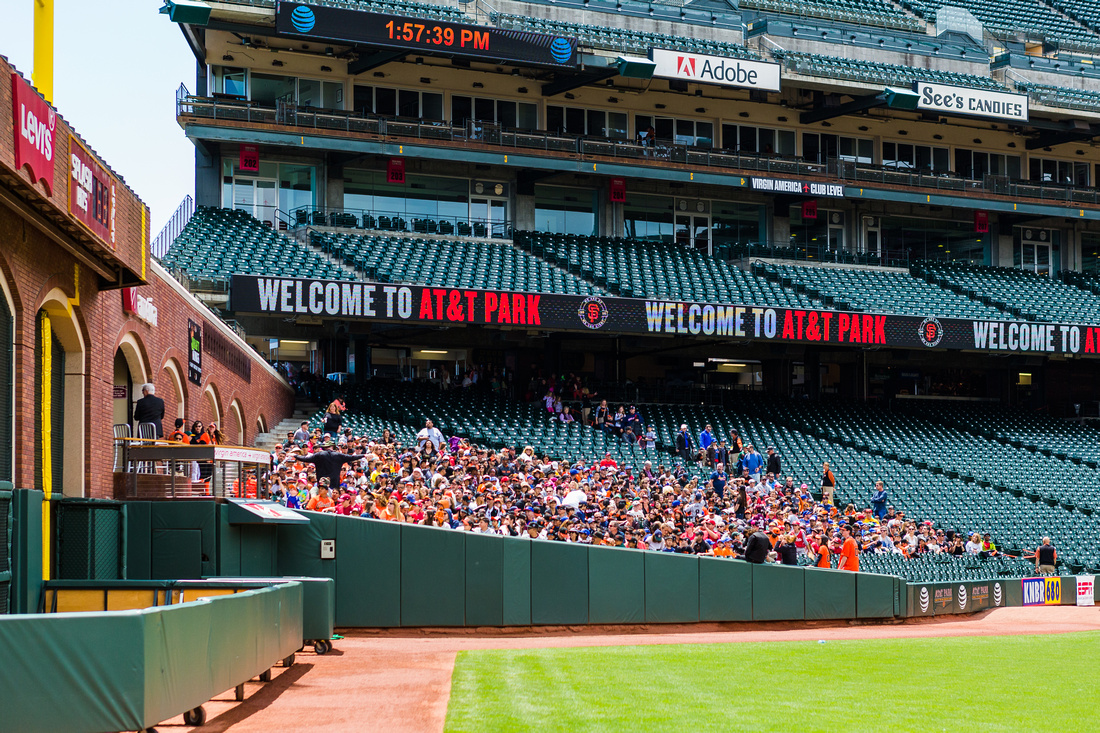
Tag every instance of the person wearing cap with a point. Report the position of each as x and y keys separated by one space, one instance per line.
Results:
x=683 y=443
x=849 y=551
x=820 y=546
x=775 y=463
x=753 y=462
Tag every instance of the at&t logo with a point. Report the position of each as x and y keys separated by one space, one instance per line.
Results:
x=593 y=312
x=962 y=597
x=924 y=599
x=996 y=594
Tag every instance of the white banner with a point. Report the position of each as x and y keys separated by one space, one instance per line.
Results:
x=970 y=101
x=1085 y=589
x=244 y=455
x=728 y=72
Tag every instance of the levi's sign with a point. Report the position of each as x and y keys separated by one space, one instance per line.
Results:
x=421 y=305
x=35 y=125
x=729 y=72
x=972 y=102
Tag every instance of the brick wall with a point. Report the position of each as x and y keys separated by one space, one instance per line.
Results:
x=31 y=267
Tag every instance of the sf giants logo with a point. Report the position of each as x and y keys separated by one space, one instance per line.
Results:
x=930 y=332
x=593 y=312
x=685 y=66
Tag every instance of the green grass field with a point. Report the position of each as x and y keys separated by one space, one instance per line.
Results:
x=999 y=683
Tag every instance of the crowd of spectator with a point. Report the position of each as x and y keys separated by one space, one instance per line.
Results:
x=750 y=510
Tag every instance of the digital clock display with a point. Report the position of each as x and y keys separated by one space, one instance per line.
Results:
x=421 y=34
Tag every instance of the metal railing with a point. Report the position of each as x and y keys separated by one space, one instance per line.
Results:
x=398 y=222
x=663 y=152
x=175 y=225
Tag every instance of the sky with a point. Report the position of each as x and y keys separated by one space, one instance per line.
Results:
x=117 y=64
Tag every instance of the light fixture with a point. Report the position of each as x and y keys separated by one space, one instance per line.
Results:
x=227 y=57
x=742 y=114
x=864 y=128
x=658 y=106
x=1012 y=145
x=326 y=68
x=977 y=141
x=826 y=124
x=903 y=132
x=433 y=351
x=419 y=60
x=379 y=75
x=700 y=110
x=937 y=136
x=522 y=90
x=276 y=62
x=515 y=71
x=780 y=119
x=329 y=51
x=425 y=80
x=570 y=95
x=612 y=100
x=478 y=85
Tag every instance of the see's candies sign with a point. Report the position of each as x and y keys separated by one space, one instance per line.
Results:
x=35 y=124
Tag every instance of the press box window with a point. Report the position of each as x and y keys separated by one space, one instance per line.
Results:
x=906 y=157
x=505 y=112
x=388 y=102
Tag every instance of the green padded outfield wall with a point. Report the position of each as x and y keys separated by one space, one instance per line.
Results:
x=725 y=590
x=433 y=576
x=616 y=586
x=517 y=581
x=559 y=583
x=184 y=535
x=778 y=592
x=368 y=572
x=874 y=595
x=671 y=588
x=830 y=594
x=920 y=597
x=484 y=580
x=26 y=549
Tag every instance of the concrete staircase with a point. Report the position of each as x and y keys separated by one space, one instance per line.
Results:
x=303 y=410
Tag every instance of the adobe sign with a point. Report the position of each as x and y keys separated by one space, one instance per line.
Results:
x=727 y=72
x=35 y=124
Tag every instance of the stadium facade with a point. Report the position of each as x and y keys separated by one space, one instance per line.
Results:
x=706 y=152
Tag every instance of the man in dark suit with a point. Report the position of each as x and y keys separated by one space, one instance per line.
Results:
x=150 y=408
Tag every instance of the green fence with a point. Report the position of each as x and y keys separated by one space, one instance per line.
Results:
x=390 y=575
x=5 y=547
x=129 y=670
x=89 y=540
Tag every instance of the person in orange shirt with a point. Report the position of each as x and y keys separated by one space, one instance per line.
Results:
x=822 y=550
x=321 y=502
x=849 y=551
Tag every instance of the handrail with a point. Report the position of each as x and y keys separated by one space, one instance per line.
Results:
x=175 y=225
x=665 y=151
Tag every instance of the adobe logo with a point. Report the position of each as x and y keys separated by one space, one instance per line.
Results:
x=685 y=65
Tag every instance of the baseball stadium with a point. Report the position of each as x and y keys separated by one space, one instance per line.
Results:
x=560 y=365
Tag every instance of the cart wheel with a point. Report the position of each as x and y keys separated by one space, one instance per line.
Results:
x=322 y=646
x=195 y=717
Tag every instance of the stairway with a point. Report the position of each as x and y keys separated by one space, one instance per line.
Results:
x=304 y=409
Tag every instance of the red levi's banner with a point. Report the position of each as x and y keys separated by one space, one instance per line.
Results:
x=616 y=191
x=35 y=125
x=981 y=222
x=444 y=306
x=91 y=193
x=395 y=170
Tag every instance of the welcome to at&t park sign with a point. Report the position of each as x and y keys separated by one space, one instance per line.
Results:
x=424 y=305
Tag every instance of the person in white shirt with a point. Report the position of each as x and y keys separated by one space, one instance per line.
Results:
x=974 y=546
x=429 y=433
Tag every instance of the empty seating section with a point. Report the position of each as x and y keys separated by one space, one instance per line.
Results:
x=1086 y=99
x=1086 y=11
x=1016 y=427
x=449 y=262
x=946 y=568
x=217 y=243
x=402 y=7
x=862 y=12
x=620 y=39
x=879 y=291
x=835 y=67
x=1036 y=297
x=642 y=269
x=1008 y=17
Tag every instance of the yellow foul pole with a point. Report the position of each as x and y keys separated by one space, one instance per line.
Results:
x=43 y=48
